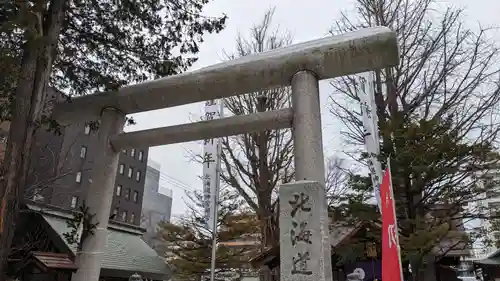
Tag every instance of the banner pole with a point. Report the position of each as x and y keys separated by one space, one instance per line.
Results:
x=215 y=203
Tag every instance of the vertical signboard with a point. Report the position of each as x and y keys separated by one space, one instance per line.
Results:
x=366 y=94
x=211 y=164
x=305 y=253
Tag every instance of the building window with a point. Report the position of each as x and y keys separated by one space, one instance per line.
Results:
x=87 y=129
x=136 y=196
x=132 y=152
x=127 y=194
x=130 y=172
x=138 y=176
x=132 y=218
x=121 y=170
x=78 y=178
x=118 y=190
x=124 y=216
x=124 y=151
x=115 y=213
x=83 y=152
x=74 y=202
x=141 y=155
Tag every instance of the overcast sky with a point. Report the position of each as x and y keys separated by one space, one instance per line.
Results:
x=305 y=20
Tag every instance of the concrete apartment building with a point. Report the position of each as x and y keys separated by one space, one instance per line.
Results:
x=61 y=166
x=489 y=205
x=156 y=206
x=76 y=162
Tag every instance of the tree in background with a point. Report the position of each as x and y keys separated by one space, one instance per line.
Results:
x=255 y=164
x=438 y=120
x=189 y=241
x=82 y=47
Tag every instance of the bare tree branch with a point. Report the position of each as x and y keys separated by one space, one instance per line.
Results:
x=256 y=164
x=437 y=110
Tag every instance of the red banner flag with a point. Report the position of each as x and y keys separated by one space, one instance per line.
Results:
x=391 y=259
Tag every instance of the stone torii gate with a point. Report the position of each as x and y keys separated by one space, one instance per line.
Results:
x=305 y=253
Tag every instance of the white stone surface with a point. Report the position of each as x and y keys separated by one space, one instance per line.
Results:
x=329 y=57
x=210 y=129
x=99 y=197
x=304 y=233
x=309 y=159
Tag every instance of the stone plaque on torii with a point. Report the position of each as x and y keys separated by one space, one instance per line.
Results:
x=305 y=250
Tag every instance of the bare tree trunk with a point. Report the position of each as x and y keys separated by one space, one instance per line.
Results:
x=267 y=274
x=265 y=160
x=38 y=56
x=269 y=227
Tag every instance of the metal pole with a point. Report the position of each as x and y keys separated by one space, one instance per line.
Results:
x=214 y=248
x=100 y=195
x=215 y=203
x=307 y=136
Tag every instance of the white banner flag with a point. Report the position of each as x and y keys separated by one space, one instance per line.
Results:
x=211 y=165
x=366 y=93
